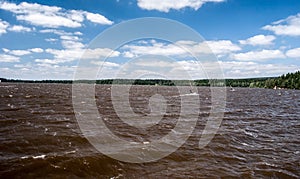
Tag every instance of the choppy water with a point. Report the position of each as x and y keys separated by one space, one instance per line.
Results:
x=40 y=137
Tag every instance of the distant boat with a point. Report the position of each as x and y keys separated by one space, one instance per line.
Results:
x=231 y=88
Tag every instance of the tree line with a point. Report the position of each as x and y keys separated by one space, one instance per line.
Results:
x=289 y=80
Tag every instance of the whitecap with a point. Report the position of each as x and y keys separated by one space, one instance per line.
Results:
x=55 y=166
x=39 y=156
x=70 y=152
x=24 y=157
x=115 y=177
x=245 y=144
x=251 y=134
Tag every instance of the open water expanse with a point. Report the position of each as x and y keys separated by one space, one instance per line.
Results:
x=40 y=137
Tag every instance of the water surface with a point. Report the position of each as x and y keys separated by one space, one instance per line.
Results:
x=40 y=137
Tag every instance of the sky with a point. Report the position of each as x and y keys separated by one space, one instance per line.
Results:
x=45 y=39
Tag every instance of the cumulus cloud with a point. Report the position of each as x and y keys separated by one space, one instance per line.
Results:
x=51 y=40
x=17 y=52
x=258 y=55
x=46 y=61
x=69 y=44
x=293 y=53
x=69 y=40
x=240 y=69
x=97 y=18
x=105 y=64
x=154 y=48
x=37 y=50
x=19 y=28
x=188 y=69
x=180 y=48
x=166 y=5
x=22 y=52
x=68 y=55
x=152 y=67
x=57 y=32
x=39 y=71
x=9 y=58
x=289 y=26
x=99 y=53
x=52 y=16
x=258 y=40
x=3 y=26
x=223 y=46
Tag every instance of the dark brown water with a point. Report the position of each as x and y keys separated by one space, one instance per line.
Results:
x=259 y=135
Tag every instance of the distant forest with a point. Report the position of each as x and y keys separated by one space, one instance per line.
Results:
x=290 y=81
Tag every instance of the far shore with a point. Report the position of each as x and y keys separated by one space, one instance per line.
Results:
x=288 y=81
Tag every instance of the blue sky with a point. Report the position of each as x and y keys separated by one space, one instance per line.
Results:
x=251 y=38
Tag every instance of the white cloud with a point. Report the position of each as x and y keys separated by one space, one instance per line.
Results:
x=180 y=48
x=150 y=67
x=97 y=18
x=19 y=28
x=17 y=52
x=128 y=54
x=154 y=63
x=155 y=48
x=39 y=71
x=3 y=26
x=166 y=5
x=218 y=47
x=62 y=56
x=55 y=31
x=37 y=50
x=47 y=61
x=234 y=69
x=258 y=55
x=78 y=33
x=222 y=46
x=9 y=58
x=293 y=53
x=73 y=38
x=68 y=40
x=47 y=69
x=259 y=40
x=99 y=52
x=67 y=55
x=289 y=26
x=51 y=40
x=52 y=16
x=76 y=15
x=22 y=52
x=46 y=20
x=106 y=64
x=69 y=44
